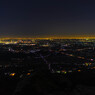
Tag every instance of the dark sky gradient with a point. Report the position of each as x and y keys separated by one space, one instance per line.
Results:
x=47 y=18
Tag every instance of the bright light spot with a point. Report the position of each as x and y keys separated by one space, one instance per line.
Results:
x=12 y=74
x=86 y=64
x=58 y=71
x=91 y=59
x=28 y=74
x=79 y=70
x=64 y=72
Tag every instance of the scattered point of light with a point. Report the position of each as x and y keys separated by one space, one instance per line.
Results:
x=86 y=64
x=91 y=59
x=58 y=71
x=12 y=74
x=93 y=67
x=79 y=70
x=28 y=74
x=64 y=72
x=21 y=76
x=70 y=71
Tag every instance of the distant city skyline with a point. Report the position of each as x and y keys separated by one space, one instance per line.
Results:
x=66 y=37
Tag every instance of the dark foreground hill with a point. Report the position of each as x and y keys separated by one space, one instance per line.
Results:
x=45 y=83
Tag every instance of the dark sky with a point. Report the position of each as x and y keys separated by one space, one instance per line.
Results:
x=47 y=18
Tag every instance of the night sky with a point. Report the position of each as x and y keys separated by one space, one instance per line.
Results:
x=47 y=18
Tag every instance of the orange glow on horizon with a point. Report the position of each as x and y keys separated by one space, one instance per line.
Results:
x=66 y=37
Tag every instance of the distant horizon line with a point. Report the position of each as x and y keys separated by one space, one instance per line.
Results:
x=48 y=37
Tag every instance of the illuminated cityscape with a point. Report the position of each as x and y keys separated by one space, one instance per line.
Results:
x=47 y=47
x=68 y=61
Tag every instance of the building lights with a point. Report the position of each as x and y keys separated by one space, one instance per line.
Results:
x=12 y=74
x=28 y=74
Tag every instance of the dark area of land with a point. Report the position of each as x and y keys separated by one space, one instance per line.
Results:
x=47 y=68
